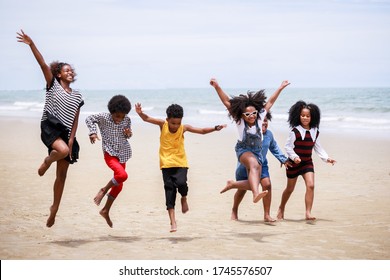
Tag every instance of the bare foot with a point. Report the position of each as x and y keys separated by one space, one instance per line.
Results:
x=234 y=216
x=106 y=217
x=44 y=167
x=173 y=227
x=98 y=198
x=184 y=205
x=269 y=219
x=309 y=217
x=280 y=215
x=259 y=196
x=51 y=220
x=229 y=186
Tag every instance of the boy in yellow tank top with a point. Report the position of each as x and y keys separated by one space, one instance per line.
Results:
x=173 y=159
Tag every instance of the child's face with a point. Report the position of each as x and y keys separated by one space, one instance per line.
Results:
x=118 y=117
x=250 y=115
x=265 y=125
x=173 y=124
x=66 y=73
x=305 y=118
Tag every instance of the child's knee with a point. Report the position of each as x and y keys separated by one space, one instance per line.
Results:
x=120 y=177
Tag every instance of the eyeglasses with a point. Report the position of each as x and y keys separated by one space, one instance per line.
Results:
x=248 y=114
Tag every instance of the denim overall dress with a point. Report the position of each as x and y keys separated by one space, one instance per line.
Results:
x=250 y=143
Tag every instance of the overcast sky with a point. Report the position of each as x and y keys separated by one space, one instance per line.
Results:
x=128 y=44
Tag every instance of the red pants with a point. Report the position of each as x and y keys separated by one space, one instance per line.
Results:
x=120 y=174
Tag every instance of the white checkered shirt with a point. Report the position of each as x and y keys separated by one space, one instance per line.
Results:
x=114 y=141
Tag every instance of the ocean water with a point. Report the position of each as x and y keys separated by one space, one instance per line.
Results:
x=361 y=110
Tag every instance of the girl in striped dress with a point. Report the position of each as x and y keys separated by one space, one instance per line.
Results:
x=304 y=119
x=59 y=121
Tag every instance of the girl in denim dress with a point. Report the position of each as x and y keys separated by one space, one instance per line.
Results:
x=248 y=112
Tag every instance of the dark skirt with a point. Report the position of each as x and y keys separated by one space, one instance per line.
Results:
x=51 y=130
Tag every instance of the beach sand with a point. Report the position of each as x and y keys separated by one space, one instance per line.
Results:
x=352 y=203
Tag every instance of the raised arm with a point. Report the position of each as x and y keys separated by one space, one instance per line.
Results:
x=24 y=38
x=275 y=96
x=204 y=130
x=222 y=95
x=146 y=118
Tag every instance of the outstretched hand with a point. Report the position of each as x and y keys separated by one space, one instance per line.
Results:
x=220 y=126
x=138 y=108
x=284 y=84
x=23 y=38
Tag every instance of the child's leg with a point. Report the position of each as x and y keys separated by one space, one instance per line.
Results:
x=240 y=185
x=58 y=189
x=170 y=196
x=98 y=198
x=171 y=214
x=286 y=195
x=309 y=196
x=180 y=181
x=238 y=196
x=184 y=204
x=254 y=170
x=105 y=212
x=266 y=186
x=60 y=151
x=116 y=183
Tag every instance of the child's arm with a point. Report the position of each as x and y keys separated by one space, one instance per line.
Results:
x=222 y=95
x=289 y=147
x=321 y=153
x=275 y=96
x=146 y=118
x=204 y=130
x=24 y=38
x=276 y=151
x=91 y=122
x=128 y=132
x=73 y=132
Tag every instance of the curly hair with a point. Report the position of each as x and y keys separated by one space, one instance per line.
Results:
x=294 y=114
x=269 y=116
x=56 y=68
x=119 y=104
x=239 y=103
x=175 y=111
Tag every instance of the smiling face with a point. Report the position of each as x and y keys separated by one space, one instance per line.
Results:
x=250 y=115
x=305 y=118
x=66 y=74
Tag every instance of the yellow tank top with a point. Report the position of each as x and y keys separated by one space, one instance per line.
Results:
x=172 y=152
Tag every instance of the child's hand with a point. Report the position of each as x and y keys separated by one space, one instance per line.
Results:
x=330 y=160
x=214 y=83
x=219 y=127
x=93 y=138
x=24 y=38
x=138 y=108
x=297 y=160
x=287 y=164
x=284 y=84
x=128 y=133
